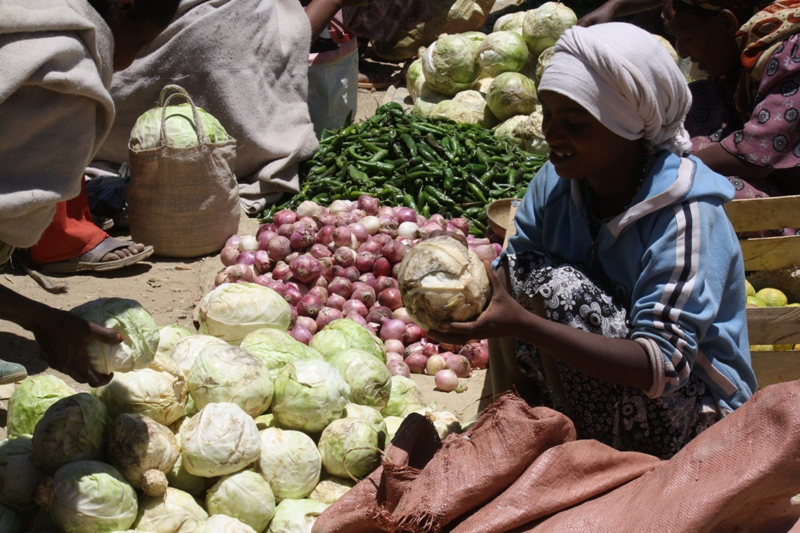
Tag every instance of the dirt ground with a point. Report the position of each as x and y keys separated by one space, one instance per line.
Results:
x=170 y=290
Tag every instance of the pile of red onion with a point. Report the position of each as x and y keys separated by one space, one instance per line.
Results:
x=340 y=261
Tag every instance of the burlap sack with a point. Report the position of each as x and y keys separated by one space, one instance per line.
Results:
x=183 y=201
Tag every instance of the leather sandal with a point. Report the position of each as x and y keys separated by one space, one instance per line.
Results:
x=93 y=259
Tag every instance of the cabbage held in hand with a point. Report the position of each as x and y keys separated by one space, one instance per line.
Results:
x=511 y=93
x=140 y=334
x=233 y=310
x=449 y=64
x=442 y=281
x=542 y=26
x=502 y=51
x=181 y=131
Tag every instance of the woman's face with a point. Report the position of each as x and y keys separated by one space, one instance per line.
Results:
x=708 y=41
x=580 y=146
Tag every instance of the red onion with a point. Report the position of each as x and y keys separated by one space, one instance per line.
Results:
x=381 y=238
x=305 y=268
x=281 y=271
x=406 y=214
x=325 y=235
x=319 y=292
x=414 y=348
x=371 y=246
x=228 y=255
x=477 y=353
x=307 y=322
x=302 y=287
x=395 y=270
x=416 y=362
x=446 y=380
x=428 y=228
x=342 y=236
x=462 y=224
x=392 y=329
x=394 y=345
x=369 y=204
x=277 y=286
x=413 y=333
x=497 y=248
x=309 y=305
x=285 y=230
x=263 y=239
x=338 y=272
x=385 y=211
x=345 y=219
x=326 y=219
x=458 y=364
x=385 y=282
x=336 y=301
x=221 y=277
x=302 y=237
x=485 y=252
x=421 y=220
x=292 y=316
x=344 y=256
x=391 y=298
x=341 y=286
x=359 y=231
x=358 y=214
x=278 y=248
x=388 y=226
x=401 y=314
x=249 y=273
x=319 y=281
x=365 y=261
x=319 y=250
x=247 y=258
x=262 y=261
x=355 y=317
x=267 y=226
x=378 y=314
x=265 y=279
x=435 y=363
x=352 y=273
x=438 y=219
x=355 y=306
x=233 y=240
x=429 y=348
x=393 y=356
x=382 y=267
x=284 y=216
x=291 y=257
x=368 y=278
x=398 y=368
x=308 y=222
x=326 y=316
x=235 y=273
x=365 y=293
x=301 y=334
x=292 y=295
x=248 y=243
x=394 y=251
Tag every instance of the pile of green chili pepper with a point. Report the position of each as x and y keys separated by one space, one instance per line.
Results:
x=429 y=165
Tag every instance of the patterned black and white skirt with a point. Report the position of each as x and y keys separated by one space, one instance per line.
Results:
x=621 y=417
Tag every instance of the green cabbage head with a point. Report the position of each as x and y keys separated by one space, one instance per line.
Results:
x=414 y=73
x=511 y=93
x=89 y=497
x=245 y=496
x=181 y=131
x=168 y=336
x=233 y=310
x=176 y=511
x=31 y=399
x=347 y=334
x=220 y=523
x=140 y=334
x=426 y=99
x=351 y=447
x=9 y=521
x=289 y=462
x=309 y=395
x=542 y=26
x=296 y=516
x=502 y=51
x=329 y=490
x=510 y=22
x=275 y=348
x=476 y=102
x=454 y=111
x=369 y=379
x=449 y=63
x=405 y=398
x=18 y=474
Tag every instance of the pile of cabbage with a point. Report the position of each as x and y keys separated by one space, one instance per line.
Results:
x=491 y=79
x=342 y=261
x=241 y=428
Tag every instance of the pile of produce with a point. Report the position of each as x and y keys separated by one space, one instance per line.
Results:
x=431 y=166
x=491 y=79
x=343 y=261
x=239 y=428
x=768 y=297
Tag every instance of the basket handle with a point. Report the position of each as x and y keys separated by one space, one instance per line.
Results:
x=163 y=102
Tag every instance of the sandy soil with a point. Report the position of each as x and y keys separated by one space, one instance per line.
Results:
x=170 y=290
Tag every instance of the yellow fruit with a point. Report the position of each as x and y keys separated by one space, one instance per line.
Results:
x=772 y=297
x=750 y=290
x=783 y=347
x=761 y=348
x=795 y=304
x=797 y=346
x=755 y=301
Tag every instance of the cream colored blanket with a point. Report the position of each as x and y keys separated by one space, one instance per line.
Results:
x=55 y=109
x=246 y=63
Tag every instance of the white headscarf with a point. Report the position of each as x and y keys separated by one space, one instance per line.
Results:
x=626 y=79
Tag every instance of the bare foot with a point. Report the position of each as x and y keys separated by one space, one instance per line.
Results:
x=122 y=253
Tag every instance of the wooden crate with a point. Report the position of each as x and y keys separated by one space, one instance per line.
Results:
x=770 y=260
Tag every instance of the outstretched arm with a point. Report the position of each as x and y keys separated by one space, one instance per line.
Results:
x=617 y=8
x=62 y=336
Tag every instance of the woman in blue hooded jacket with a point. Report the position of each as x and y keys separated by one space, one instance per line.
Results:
x=625 y=278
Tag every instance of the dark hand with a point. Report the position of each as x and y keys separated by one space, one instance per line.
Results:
x=499 y=319
x=63 y=336
x=604 y=13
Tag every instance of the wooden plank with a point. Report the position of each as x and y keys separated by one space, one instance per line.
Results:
x=776 y=367
x=771 y=253
x=756 y=214
x=773 y=325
